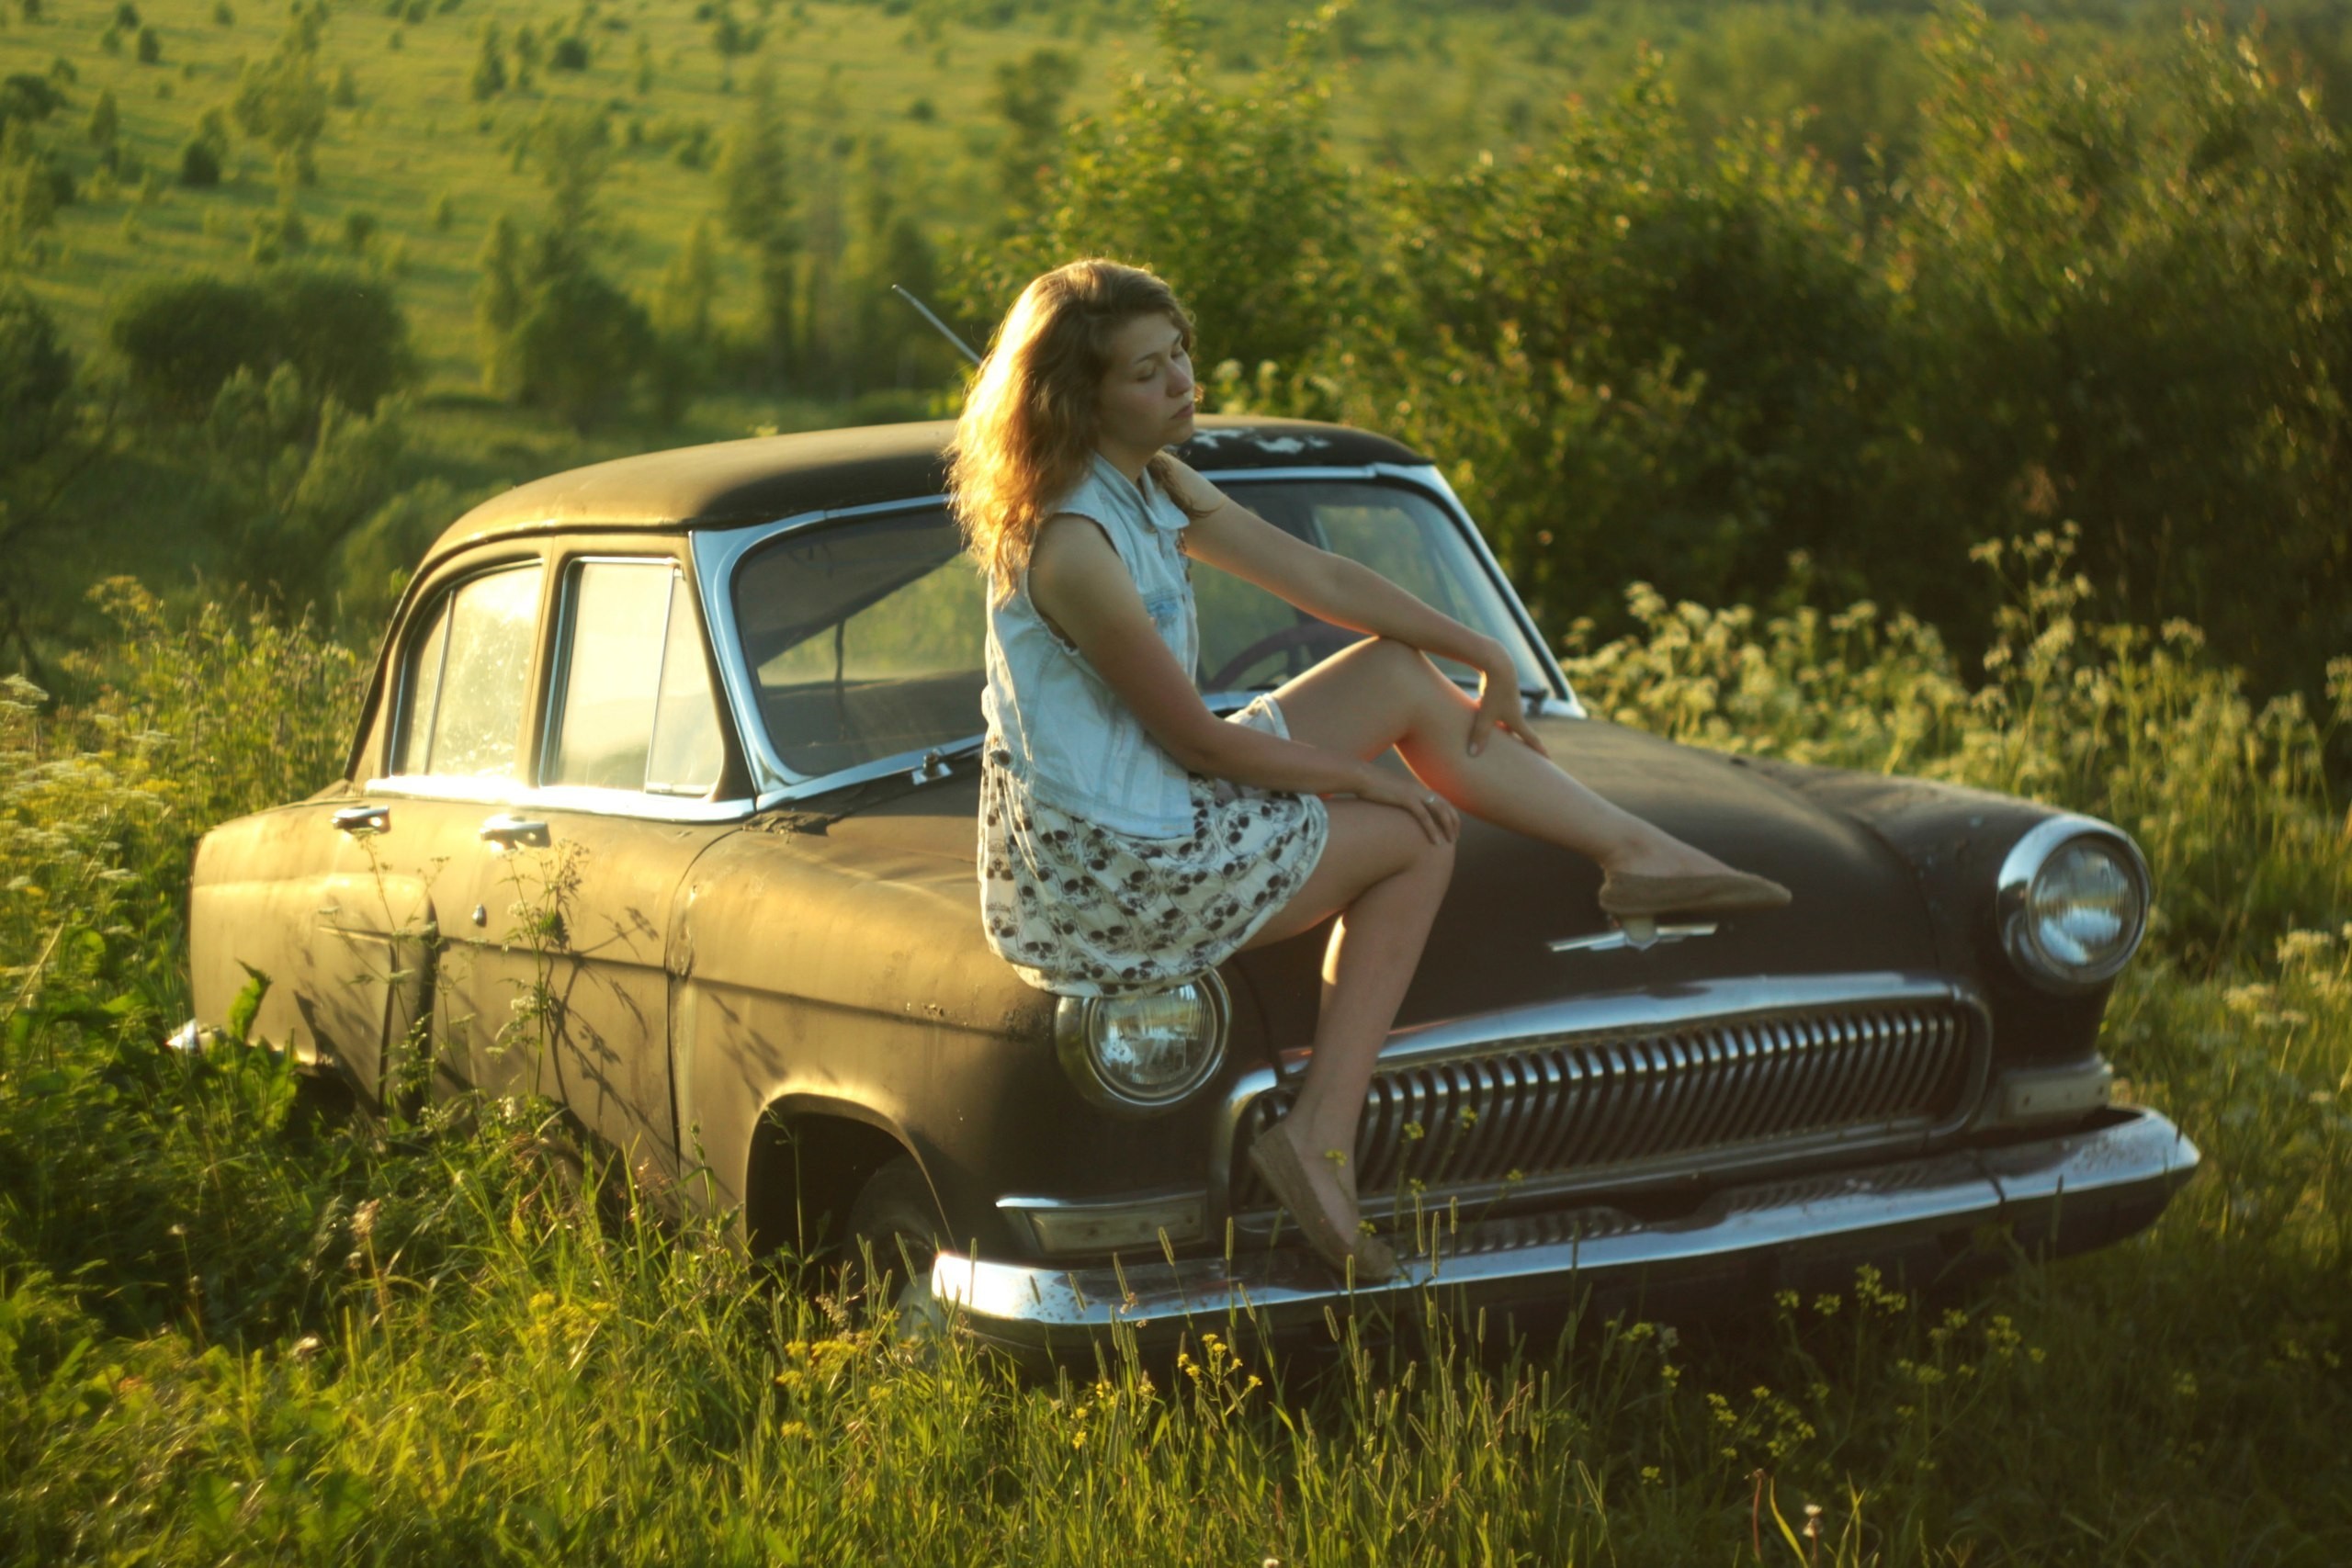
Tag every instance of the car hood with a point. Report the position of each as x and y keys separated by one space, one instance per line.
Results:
x=1857 y=905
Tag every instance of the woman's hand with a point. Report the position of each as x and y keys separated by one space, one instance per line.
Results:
x=1431 y=811
x=1499 y=703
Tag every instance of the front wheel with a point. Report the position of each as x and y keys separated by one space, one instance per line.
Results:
x=894 y=1238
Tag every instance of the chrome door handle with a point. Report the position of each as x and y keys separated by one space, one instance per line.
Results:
x=363 y=819
x=515 y=833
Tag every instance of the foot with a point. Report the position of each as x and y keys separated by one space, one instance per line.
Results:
x=1320 y=1200
x=1727 y=892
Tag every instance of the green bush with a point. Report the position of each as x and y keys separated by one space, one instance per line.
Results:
x=182 y=338
x=199 y=164
x=36 y=382
x=1642 y=358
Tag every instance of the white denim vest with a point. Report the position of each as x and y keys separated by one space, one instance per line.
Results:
x=1073 y=741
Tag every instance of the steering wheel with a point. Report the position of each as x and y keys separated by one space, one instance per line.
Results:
x=1305 y=634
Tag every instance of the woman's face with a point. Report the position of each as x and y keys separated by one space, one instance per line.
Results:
x=1146 y=398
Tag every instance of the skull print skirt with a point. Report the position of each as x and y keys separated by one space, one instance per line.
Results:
x=1082 y=910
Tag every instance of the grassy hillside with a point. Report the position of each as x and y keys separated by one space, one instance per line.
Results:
x=860 y=83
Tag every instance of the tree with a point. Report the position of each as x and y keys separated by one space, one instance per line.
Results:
x=201 y=158
x=1029 y=95
x=571 y=149
x=689 y=285
x=756 y=204
x=282 y=101
x=556 y=332
x=1235 y=199
x=27 y=187
x=28 y=98
x=184 y=338
x=1648 y=359
x=294 y=475
x=49 y=439
x=106 y=123
x=581 y=343
x=489 y=78
x=498 y=302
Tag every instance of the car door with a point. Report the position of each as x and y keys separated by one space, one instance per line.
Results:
x=630 y=751
x=554 y=760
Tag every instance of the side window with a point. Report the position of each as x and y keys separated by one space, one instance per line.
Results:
x=634 y=702
x=468 y=676
x=867 y=640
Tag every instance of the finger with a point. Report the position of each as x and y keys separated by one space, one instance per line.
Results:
x=1530 y=737
x=1480 y=722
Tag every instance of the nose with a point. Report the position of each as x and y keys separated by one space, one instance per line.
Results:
x=1180 y=382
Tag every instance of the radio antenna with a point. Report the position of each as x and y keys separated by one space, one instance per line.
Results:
x=945 y=330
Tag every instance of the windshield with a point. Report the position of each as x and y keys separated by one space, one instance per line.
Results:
x=866 y=639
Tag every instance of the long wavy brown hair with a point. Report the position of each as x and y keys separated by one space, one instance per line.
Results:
x=1027 y=431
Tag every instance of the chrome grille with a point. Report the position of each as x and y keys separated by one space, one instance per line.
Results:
x=1576 y=1109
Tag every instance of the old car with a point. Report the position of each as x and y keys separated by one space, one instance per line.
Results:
x=662 y=805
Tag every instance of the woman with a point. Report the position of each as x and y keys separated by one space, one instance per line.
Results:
x=1129 y=839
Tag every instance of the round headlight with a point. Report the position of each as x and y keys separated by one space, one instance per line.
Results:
x=2074 y=902
x=1147 y=1053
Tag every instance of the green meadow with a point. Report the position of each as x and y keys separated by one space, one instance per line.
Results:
x=1928 y=388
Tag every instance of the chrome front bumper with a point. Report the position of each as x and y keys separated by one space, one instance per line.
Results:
x=2056 y=1194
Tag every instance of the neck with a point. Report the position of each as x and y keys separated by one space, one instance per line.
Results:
x=1127 y=460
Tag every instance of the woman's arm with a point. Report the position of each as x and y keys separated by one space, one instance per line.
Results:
x=1078 y=582
x=1228 y=535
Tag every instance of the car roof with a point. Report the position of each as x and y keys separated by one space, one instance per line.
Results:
x=728 y=483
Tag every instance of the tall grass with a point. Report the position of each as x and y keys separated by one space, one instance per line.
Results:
x=231 y=1326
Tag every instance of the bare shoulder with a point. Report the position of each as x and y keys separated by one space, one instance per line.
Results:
x=1073 y=553
x=1195 y=495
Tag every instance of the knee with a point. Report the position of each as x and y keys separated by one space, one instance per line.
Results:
x=1433 y=859
x=1406 y=671
x=1400 y=663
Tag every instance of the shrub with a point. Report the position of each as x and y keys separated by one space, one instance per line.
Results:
x=24 y=96
x=183 y=338
x=200 y=164
x=579 y=344
x=36 y=381
x=295 y=473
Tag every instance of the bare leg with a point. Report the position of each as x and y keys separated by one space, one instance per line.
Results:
x=1386 y=878
x=1381 y=694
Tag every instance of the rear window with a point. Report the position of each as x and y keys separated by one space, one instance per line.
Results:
x=469 y=677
